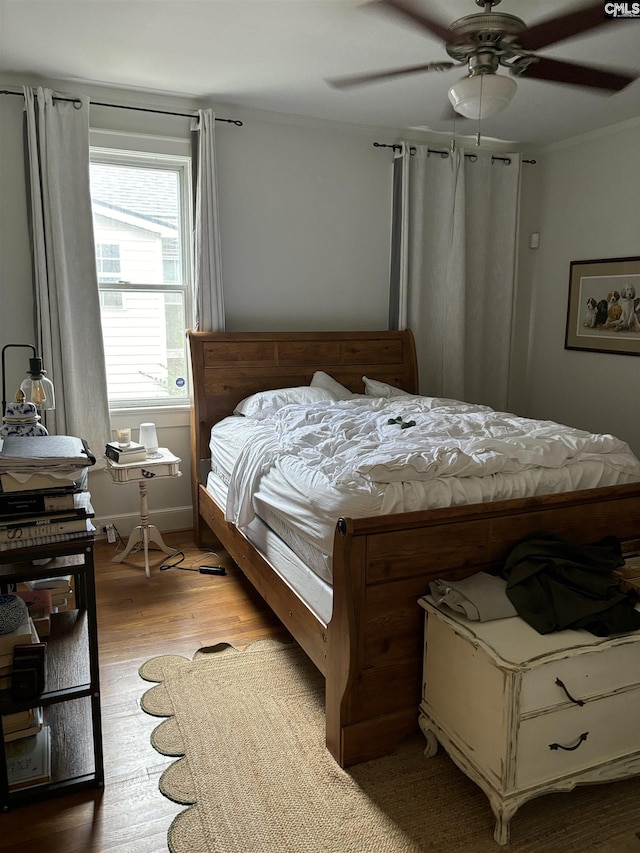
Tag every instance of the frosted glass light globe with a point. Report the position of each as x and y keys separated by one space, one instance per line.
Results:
x=482 y=95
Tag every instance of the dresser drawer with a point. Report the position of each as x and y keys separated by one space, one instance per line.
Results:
x=612 y=727
x=585 y=676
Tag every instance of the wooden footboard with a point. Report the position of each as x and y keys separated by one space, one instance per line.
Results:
x=383 y=565
x=371 y=651
x=309 y=632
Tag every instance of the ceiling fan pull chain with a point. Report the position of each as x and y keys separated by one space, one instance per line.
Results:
x=479 y=131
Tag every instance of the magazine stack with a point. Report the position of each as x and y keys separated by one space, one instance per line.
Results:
x=43 y=491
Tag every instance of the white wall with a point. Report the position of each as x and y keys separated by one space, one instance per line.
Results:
x=305 y=227
x=589 y=209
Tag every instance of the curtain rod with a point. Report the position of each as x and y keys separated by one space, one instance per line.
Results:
x=443 y=153
x=237 y=122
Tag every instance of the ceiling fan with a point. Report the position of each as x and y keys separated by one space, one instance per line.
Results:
x=484 y=41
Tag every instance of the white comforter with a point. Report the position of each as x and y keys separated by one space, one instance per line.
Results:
x=355 y=458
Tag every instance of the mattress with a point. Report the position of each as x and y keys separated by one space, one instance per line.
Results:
x=297 y=574
x=303 y=467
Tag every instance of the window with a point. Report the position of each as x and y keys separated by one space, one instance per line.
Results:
x=108 y=261
x=170 y=259
x=141 y=220
x=111 y=299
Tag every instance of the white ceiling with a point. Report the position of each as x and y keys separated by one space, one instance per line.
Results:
x=277 y=54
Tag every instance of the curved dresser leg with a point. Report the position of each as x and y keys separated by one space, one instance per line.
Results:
x=503 y=813
x=432 y=741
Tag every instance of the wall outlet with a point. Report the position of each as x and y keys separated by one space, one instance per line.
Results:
x=110 y=530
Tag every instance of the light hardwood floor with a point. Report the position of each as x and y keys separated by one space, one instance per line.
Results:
x=173 y=612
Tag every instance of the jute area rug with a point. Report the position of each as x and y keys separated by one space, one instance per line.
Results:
x=255 y=773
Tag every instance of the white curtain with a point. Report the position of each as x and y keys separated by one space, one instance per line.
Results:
x=206 y=241
x=67 y=308
x=453 y=270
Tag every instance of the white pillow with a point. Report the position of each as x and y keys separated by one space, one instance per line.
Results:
x=323 y=380
x=375 y=388
x=266 y=403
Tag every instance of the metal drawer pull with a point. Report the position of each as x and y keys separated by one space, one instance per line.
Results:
x=569 y=696
x=581 y=739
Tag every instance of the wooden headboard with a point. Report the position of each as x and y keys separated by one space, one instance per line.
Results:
x=226 y=367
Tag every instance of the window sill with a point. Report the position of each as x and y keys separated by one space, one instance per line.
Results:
x=161 y=416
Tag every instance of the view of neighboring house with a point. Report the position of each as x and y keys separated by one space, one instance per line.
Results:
x=137 y=228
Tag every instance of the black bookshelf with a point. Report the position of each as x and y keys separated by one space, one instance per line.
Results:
x=71 y=696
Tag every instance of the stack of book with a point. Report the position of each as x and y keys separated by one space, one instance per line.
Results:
x=22 y=724
x=46 y=596
x=29 y=760
x=39 y=605
x=40 y=521
x=125 y=453
x=43 y=495
x=24 y=633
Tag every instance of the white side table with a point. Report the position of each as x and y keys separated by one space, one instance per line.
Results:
x=166 y=465
x=524 y=714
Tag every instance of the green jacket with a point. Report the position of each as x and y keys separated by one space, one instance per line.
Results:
x=554 y=585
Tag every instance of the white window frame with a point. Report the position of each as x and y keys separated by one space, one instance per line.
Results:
x=115 y=147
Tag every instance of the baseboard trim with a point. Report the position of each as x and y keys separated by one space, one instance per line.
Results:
x=166 y=520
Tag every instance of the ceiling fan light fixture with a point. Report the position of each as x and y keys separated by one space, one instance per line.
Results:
x=482 y=95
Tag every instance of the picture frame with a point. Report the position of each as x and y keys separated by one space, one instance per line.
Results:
x=603 y=312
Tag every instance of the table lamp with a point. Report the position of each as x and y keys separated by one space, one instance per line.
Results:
x=37 y=387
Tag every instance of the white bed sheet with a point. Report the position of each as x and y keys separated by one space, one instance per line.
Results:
x=310 y=465
x=226 y=442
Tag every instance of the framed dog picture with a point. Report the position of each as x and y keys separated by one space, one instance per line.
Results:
x=604 y=306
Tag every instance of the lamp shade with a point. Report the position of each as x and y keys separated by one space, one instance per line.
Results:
x=482 y=95
x=37 y=387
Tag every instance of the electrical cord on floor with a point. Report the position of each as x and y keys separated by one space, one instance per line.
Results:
x=176 y=560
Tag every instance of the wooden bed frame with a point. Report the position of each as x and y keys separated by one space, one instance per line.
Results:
x=371 y=651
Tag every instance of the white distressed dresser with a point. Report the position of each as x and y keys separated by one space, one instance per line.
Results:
x=523 y=713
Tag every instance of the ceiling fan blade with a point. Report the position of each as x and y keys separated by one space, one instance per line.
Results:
x=360 y=79
x=557 y=29
x=580 y=75
x=418 y=15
